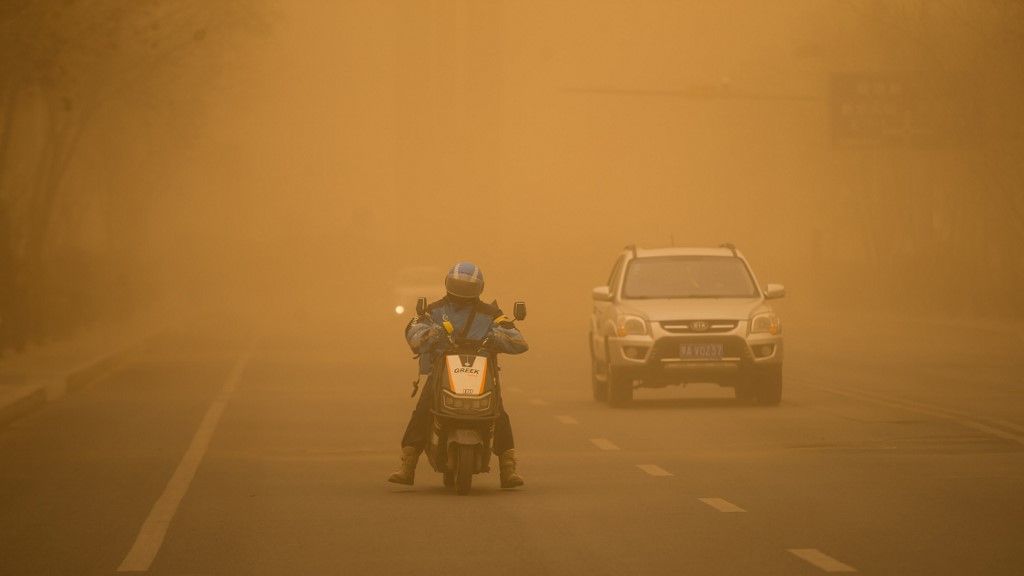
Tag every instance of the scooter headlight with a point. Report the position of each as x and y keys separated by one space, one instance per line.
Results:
x=466 y=403
x=449 y=401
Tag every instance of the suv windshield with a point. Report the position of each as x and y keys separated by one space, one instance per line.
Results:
x=688 y=277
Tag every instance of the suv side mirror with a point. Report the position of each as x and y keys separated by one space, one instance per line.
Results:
x=421 y=306
x=519 y=311
x=773 y=291
x=602 y=294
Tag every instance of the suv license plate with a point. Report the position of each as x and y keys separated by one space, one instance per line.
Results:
x=701 y=351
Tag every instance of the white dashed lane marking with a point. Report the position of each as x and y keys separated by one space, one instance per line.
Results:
x=821 y=560
x=654 y=470
x=721 y=505
x=567 y=420
x=538 y=402
x=604 y=444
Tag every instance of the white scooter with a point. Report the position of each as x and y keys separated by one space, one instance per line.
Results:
x=465 y=407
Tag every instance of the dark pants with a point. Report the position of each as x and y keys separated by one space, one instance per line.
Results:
x=417 y=433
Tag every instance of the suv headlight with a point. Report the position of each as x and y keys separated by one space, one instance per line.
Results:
x=631 y=326
x=765 y=323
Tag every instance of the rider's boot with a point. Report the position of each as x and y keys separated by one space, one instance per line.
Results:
x=407 y=473
x=507 y=463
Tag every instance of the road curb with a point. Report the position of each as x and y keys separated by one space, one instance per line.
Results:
x=90 y=373
x=42 y=388
x=21 y=402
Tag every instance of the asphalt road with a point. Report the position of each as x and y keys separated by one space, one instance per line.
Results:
x=236 y=455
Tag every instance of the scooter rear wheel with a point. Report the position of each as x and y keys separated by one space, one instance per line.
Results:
x=466 y=467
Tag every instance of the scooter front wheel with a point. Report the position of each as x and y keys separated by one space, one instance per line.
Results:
x=466 y=468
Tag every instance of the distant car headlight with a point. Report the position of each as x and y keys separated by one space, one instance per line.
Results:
x=631 y=326
x=399 y=309
x=765 y=323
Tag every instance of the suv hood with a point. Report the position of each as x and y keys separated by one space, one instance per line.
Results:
x=695 y=308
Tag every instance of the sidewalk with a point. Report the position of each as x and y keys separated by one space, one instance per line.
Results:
x=46 y=373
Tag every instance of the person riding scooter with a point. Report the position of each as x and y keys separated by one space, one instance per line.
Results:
x=460 y=312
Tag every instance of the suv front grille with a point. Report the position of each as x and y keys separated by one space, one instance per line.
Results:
x=687 y=326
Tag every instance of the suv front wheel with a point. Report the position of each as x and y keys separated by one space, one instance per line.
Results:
x=768 y=386
x=597 y=383
x=745 y=391
x=620 y=387
x=598 y=379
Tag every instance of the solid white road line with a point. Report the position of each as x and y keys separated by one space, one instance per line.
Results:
x=604 y=444
x=721 y=504
x=821 y=560
x=567 y=420
x=538 y=402
x=154 y=529
x=654 y=470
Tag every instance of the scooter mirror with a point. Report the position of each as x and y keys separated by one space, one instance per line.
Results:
x=519 y=310
x=421 y=306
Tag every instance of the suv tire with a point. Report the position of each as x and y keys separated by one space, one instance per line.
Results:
x=598 y=380
x=768 y=386
x=599 y=386
x=745 y=391
x=620 y=388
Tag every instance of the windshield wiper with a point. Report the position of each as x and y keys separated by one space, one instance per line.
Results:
x=687 y=297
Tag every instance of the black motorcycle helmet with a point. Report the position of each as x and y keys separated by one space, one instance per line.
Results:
x=464 y=281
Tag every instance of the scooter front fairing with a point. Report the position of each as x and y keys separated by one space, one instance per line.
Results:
x=464 y=409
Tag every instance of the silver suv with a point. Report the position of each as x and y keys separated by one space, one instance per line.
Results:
x=680 y=315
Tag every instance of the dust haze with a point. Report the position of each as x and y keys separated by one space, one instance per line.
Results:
x=283 y=162
x=216 y=216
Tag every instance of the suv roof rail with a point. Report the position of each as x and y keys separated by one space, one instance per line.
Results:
x=632 y=248
x=730 y=246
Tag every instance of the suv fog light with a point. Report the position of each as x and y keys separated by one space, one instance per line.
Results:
x=765 y=350
x=634 y=352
